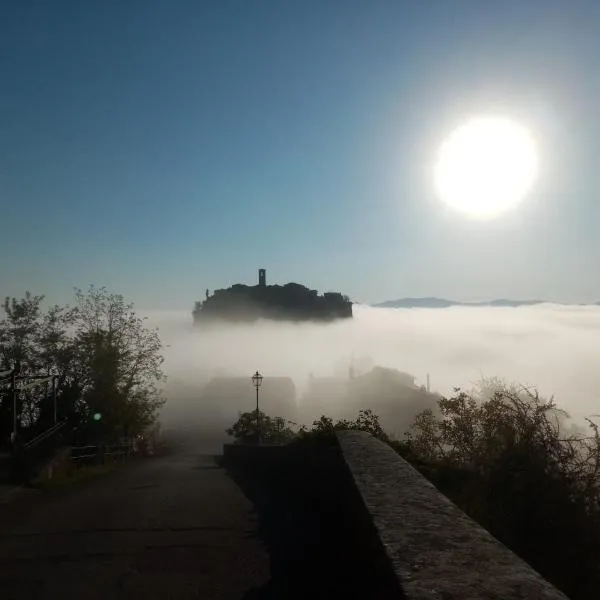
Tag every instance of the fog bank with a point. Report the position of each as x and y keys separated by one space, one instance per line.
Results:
x=551 y=347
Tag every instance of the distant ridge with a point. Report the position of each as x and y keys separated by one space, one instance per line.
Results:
x=443 y=303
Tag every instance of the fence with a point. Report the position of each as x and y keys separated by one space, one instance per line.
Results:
x=85 y=455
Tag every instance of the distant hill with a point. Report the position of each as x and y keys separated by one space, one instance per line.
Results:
x=289 y=302
x=443 y=303
x=417 y=303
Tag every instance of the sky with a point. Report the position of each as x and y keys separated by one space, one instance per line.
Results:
x=161 y=148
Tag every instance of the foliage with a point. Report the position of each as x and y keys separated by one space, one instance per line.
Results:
x=273 y=430
x=103 y=356
x=503 y=455
x=34 y=342
x=365 y=421
x=279 y=430
x=119 y=363
x=506 y=457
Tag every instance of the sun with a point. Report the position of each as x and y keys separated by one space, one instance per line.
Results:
x=486 y=166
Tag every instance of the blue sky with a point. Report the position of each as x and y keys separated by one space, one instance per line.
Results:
x=164 y=147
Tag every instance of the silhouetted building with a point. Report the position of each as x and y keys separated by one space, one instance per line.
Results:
x=389 y=393
x=290 y=302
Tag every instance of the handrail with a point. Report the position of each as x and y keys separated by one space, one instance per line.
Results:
x=7 y=377
x=35 y=381
x=45 y=434
x=100 y=451
x=30 y=457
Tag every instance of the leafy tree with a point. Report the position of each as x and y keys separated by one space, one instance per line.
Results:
x=104 y=357
x=19 y=347
x=19 y=332
x=119 y=363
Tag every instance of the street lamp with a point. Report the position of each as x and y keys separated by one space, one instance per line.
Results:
x=54 y=380
x=13 y=381
x=13 y=385
x=257 y=380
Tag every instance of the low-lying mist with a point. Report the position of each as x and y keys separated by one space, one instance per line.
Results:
x=550 y=347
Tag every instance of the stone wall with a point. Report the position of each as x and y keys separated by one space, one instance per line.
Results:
x=436 y=551
x=251 y=455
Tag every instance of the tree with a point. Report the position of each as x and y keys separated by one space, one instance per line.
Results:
x=106 y=361
x=19 y=332
x=19 y=348
x=119 y=363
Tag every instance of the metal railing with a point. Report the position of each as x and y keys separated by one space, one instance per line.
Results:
x=12 y=378
x=100 y=453
x=30 y=457
x=42 y=437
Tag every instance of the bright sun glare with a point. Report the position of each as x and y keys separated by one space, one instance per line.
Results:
x=486 y=166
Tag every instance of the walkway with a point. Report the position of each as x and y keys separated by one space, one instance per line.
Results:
x=174 y=527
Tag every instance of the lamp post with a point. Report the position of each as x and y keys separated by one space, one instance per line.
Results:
x=54 y=380
x=13 y=385
x=257 y=381
x=13 y=380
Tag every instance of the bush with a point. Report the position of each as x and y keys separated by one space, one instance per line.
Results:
x=276 y=430
x=273 y=430
x=366 y=421
x=502 y=456
x=505 y=456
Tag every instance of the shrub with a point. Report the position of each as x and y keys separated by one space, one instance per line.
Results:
x=273 y=430
x=504 y=456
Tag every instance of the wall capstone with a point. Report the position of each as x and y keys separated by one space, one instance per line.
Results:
x=436 y=550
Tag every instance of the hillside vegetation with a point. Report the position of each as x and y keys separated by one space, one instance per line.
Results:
x=510 y=460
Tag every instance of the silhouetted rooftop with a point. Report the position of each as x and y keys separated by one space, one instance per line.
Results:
x=289 y=302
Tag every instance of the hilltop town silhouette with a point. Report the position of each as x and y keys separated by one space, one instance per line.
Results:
x=289 y=302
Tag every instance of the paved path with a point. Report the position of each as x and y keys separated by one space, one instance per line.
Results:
x=172 y=527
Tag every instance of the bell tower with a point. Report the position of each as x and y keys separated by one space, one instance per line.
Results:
x=262 y=277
